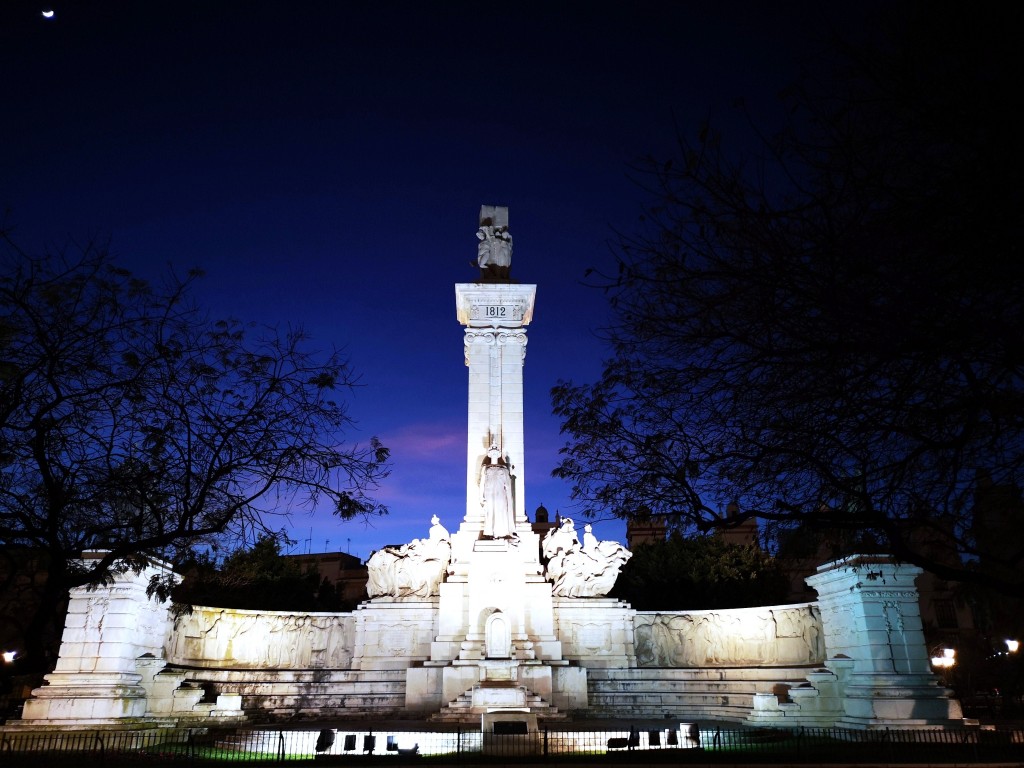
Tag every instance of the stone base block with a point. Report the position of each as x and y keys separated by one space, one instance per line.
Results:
x=510 y=731
x=500 y=697
x=596 y=632
x=423 y=690
x=394 y=633
x=569 y=688
x=898 y=701
x=87 y=698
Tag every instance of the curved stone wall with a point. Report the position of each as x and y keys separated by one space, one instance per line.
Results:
x=232 y=638
x=782 y=635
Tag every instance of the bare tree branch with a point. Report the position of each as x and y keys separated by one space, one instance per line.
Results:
x=831 y=334
x=132 y=423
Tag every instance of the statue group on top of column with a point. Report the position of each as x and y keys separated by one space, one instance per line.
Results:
x=589 y=570
x=494 y=252
x=496 y=496
x=415 y=569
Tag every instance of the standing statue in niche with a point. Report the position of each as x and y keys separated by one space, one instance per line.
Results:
x=494 y=253
x=496 y=497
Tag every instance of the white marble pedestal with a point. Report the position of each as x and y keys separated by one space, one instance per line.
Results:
x=870 y=614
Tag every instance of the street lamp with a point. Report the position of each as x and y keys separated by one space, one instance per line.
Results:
x=946 y=660
x=1012 y=646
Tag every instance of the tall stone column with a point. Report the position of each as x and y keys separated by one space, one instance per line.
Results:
x=495 y=317
x=496 y=635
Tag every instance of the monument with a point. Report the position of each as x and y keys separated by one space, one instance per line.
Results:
x=493 y=622
x=496 y=645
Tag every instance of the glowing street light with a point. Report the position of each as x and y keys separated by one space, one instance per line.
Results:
x=9 y=656
x=1012 y=646
x=946 y=660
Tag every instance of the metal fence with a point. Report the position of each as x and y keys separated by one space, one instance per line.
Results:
x=679 y=743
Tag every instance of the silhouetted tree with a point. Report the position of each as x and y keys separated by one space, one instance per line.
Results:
x=131 y=423
x=699 y=572
x=830 y=330
x=256 y=578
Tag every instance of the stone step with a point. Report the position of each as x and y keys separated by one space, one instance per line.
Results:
x=725 y=694
x=462 y=710
x=705 y=675
x=290 y=695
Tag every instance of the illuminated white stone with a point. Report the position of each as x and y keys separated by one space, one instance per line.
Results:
x=476 y=626
x=107 y=629
x=415 y=569
x=781 y=635
x=589 y=570
x=872 y=620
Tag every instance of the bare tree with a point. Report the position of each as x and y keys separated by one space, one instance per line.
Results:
x=830 y=331
x=131 y=423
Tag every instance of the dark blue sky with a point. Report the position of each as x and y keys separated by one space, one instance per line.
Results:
x=324 y=163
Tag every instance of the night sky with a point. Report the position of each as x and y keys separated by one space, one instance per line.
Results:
x=324 y=164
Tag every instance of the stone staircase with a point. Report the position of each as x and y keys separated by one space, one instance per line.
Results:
x=727 y=694
x=292 y=695
x=173 y=701
x=817 y=702
x=699 y=694
x=470 y=705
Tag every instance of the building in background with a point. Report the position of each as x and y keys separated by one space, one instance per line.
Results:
x=345 y=572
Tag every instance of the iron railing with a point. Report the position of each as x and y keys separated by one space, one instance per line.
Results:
x=678 y=743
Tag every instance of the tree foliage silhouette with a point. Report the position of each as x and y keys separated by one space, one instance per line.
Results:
x=830 y=330
x=132 y=423
x=699 y=573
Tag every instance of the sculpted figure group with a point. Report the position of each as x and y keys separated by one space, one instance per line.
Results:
x=494 y=253
x=415 y=569
x=587 y=570
x=275 y=640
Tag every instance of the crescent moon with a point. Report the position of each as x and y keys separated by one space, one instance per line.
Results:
x=47 y=14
